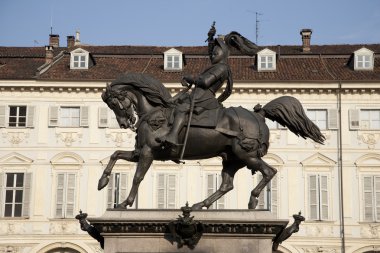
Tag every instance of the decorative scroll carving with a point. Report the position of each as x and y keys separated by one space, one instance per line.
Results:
x=369 y=138
x=62 y=228
x=15 y=136
x=119 y=136
x=68 y=136
x=370 y=231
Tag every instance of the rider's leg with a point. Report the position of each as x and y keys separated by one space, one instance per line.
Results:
x=179 y=122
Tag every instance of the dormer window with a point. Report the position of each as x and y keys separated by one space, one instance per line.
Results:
x=173 y=60
x=79 y=59
x=363 y=59
x=266 y=60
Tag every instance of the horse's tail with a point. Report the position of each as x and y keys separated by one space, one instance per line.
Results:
x=288 y=112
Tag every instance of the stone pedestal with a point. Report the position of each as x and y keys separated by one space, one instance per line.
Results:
x=231 y=231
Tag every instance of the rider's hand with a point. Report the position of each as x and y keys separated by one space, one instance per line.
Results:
x=187 y=81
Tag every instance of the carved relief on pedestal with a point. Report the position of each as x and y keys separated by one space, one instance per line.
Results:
x=119 y=136
x=369 y=138
x=15 y=135
x=370 y=231
x=68 y=136
x=63 y=227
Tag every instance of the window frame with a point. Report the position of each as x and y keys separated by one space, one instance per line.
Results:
x=55 y=116
x=267 y=194
x=356 y=119
x=170 y=62
x=221 y=203
x=319 y=205
x=79 y=53
x=118 y=193
x=360 y=61
x=317 y=121
x=166 y=190
x=5 y=116
x=263 y=59
x=65 y=191
x=374 y=192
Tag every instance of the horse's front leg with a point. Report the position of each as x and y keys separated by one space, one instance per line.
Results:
x=131 y=156
x=145 y=160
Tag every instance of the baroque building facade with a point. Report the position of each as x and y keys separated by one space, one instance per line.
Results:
x=58 y=135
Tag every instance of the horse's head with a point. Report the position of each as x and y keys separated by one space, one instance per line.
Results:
x=121 y=103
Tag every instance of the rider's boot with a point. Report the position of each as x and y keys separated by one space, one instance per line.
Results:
x=179 y=120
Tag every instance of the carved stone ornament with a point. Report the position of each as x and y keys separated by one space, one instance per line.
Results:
x=371 y=139
x=120 y=136
x=15 y=136
x=185 y=230
x=9 y=249
x=68 y=136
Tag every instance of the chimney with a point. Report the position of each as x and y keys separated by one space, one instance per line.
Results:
x=306 y=36
x=77 y=39
x=54 y=40
x=70 y=41
x=49 y=54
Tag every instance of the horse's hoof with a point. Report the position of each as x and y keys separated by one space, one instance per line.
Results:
x=253 y=203
x=197 y=206
x=103 y=181
x=120 y=207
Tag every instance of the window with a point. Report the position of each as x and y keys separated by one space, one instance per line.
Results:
x=166 y=190
x=363 y=59
x=365 y=119
x=268 y=198
x=65 y=195
x=266 y=60
x=318 y=193
x=16 y=116
x=117 y=189
x=370 y=119
x=15 y=194
x=319 y=117
x=68 y=116
x=213 y=183
x=107 y=118
x=371 y=197
x=173 y=60
x=79 y=59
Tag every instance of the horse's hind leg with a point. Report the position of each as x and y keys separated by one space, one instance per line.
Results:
x=268 y=172
x=228 y=173
x=130 y=156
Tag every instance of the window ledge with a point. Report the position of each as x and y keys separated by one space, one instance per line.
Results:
x=14 y=218
x=319 y=221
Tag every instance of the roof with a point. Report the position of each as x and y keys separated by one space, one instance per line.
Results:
x=322 y=63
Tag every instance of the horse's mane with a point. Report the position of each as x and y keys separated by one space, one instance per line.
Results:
x=155 y=92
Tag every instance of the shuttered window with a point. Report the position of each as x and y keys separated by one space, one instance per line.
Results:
x=64 y=116
x=65 y=195
x=117 y=189
x=268 y=198
x=15 y=194
x=364 y=119
x=166 y=190
x=17 y=116
x=318 y=191
x=371 y=198
x=213 y=183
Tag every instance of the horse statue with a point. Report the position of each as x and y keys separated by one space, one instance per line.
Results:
x=237 y=135
x=241 y=137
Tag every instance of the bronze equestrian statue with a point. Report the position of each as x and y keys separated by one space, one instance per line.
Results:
x=239 y=136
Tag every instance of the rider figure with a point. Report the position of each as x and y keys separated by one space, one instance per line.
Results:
x=206 y=85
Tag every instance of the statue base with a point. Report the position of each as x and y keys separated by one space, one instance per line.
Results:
x=199 y=232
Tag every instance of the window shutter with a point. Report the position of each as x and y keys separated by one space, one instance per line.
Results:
x=26 y=197
x=1 y=194
x=377 y=197
x=84 y=116
x=354 y=115
x=324 y=205
x=123 y=186
x=60 y=195
x=103 y=117
x=313 y=197
x=332 y=118
x=53 y=116
x=210 y=186
x=110 y=191
x=274 y=194
x=262 y=196
x=161 y=190
x=171 y=190
x=221 y=202
x=368 y=198
x=30 y=119
x=3 y=120
x=70 y=196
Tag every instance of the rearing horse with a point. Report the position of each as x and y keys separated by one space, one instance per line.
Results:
x=241 y=138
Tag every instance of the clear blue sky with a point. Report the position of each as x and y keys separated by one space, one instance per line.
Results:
x=186 y=22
